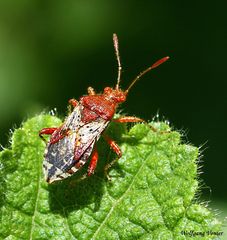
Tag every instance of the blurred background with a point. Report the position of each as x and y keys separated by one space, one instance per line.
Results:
x=51 y=51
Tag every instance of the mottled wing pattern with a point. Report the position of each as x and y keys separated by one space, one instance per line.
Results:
x=86 y=135
x=66 y=156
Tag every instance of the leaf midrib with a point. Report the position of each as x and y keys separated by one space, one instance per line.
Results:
x=123 y=195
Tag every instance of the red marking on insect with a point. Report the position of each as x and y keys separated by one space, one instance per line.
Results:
x=71 y=145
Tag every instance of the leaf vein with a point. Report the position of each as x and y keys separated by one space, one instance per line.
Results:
x=119 y=200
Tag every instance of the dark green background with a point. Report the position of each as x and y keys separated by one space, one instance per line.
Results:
x=51 y=51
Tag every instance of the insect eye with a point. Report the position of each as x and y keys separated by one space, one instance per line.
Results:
x=122 y=98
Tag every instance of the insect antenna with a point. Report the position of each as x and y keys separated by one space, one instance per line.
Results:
x=116 y=48
x=156 y=64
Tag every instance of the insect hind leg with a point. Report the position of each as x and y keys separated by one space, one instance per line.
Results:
x=92 y=164
x=116 y=149
x=91 y=168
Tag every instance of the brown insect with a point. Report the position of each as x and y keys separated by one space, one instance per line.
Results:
x=71 y=145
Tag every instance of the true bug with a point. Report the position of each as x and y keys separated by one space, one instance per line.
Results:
x=71 y=145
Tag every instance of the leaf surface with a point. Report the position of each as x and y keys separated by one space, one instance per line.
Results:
x=151 y=195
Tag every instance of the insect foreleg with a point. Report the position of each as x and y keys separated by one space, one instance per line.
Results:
x=47 y=131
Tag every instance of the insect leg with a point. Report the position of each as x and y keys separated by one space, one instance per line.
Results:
x=116 y=149
x=91 y=91
x=73 y=102
x=81 y=162
x=48 y=131
x=113 y=145
x=130 y=119
x=59 y=134
x=93 y=162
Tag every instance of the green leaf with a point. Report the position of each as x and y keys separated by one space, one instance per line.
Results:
x=151 y=195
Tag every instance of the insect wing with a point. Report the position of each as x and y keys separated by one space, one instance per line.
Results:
x=67 y=155
x=59 y=157
x=88 y=133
